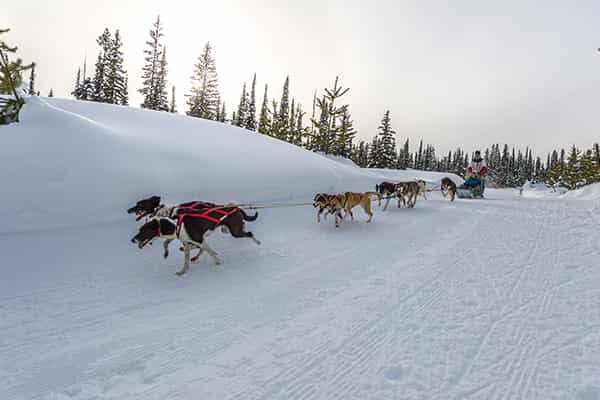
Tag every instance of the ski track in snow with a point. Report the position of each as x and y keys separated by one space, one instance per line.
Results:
x=493 y=299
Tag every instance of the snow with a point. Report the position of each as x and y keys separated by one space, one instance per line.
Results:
x=589 y=192
x=477 y=299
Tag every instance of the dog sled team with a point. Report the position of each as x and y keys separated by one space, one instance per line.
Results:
x=192 y=222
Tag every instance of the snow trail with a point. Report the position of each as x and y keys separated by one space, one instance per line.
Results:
x=492 y=299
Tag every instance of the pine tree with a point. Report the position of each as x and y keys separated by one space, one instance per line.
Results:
x=202 y=100
x=150 y=72
x=596 y=162
x=99 y=77
x=264 y=121
x=346 y=134
x=32 y=81
x=387 y=142
x=51 y=93
x=223 y=113
x=242 y=109
x=327 y=127
x=572 y=175
x=78 y=85
x=114 y=85
x=250 y=123
x=282 y=123
x=125 y=91
x=161 y=83
x=173 y=106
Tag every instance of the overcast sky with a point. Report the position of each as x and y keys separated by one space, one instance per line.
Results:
x=455 y=73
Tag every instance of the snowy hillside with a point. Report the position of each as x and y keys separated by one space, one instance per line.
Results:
x=474 y=299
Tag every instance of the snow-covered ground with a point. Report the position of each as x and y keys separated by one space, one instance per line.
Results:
x=481 y=299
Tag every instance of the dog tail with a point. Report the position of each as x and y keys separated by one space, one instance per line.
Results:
x=248 y=217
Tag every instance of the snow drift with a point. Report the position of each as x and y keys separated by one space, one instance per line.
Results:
x=72 y=163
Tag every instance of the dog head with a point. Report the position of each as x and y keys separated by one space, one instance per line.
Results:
x=320 y=200
x=144 y=207
x=155 y=228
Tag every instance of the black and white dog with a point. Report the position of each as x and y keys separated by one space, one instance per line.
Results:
x=388 y=190
x=448 y=188
x=193 y=228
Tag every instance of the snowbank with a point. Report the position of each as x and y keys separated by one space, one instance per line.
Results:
x=541 y=190
x=589 y=192
x=71 y=163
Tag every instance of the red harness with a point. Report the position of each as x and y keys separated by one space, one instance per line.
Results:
x=221 y=214
x=194 y=206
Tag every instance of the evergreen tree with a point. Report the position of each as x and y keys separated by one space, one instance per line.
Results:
x=51 y=93
x=99 y=79
x=32 y=80
x=150 y=90
x=173 y=106
x=387 y=143
x=346 y=134
x=223 y=113
x=327 y=127
x=572 y=175
x=282 y=123
x=250 y=122
x=78 y=85
x=264 y=121
x=242 y=109
x=114 y=85
x=125 y=91
x=202 y=100
x=161 y=83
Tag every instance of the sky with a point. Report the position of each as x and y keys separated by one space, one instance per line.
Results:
x=453 y=73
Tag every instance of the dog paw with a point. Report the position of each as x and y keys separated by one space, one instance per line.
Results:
x=166 y=254
x=179 y=273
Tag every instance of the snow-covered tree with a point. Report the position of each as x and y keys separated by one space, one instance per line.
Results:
x=264 y=121
x=202 y=100
x=151 y=91
x=250 y=119
x=387 y=143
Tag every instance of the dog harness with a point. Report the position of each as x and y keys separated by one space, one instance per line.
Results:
x=216 y=215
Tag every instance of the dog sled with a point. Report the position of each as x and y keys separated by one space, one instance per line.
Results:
x=471 y=189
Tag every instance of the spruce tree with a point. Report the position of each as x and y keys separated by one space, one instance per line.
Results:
x=51 y=93
x=202 y=100
x=32 y=81
x=78 y=85
x=223 y=113
x=99 y=80
x=114 y=86
x=387 y=142
x=242 y=109
x=250 y=123
x=173 y=106
x=125 y=91
x=150 y=72
x=161 y=83
x=283 y=116
x=264 y=121
x=345 y=136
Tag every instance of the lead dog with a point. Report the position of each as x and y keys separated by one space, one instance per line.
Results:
x=192 y=230
x=448 y=188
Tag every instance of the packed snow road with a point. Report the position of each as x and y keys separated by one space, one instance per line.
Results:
x=484 y=299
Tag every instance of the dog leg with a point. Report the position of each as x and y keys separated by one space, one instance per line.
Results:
x=186 y=262
x=211 y=253
x=166 y=247
x=387 y=202
x=255 y=240
x=197 y=256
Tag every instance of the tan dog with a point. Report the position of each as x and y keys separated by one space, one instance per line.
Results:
x=334 y=204
x=352 y=200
